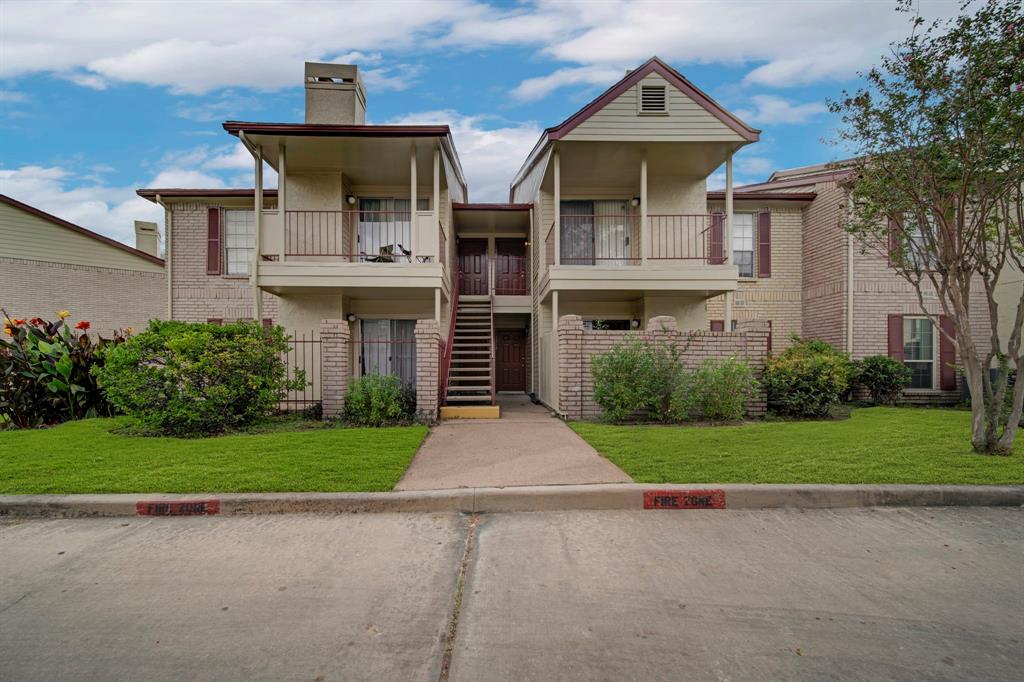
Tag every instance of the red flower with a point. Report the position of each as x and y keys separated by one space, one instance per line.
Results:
x=37 y=322
x=18 y=323
x=82 y=324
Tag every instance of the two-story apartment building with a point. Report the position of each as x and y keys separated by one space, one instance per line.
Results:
x=609 y=222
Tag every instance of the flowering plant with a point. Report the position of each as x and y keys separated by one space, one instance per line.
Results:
x=46 y=371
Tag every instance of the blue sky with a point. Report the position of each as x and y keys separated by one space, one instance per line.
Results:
x=98 y=99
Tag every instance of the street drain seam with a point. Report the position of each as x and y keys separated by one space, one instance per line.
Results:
x=460 y=584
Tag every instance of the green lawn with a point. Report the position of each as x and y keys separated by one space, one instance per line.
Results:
x=876 y=445
x=85 y=457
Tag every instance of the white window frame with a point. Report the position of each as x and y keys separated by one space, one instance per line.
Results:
x=228 y=248
x=753 y=243
x=934 y=360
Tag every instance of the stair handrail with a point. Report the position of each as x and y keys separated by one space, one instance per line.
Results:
x=446 y=359
x=494 y=360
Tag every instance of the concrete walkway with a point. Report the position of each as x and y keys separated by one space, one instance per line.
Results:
x=527 y=446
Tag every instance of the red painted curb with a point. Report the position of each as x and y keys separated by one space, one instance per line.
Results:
x=684 y=499
x=177 y=507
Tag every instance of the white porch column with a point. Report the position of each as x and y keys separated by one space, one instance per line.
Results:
x=437 y=188
x=412 y=205
x=282 y=203
x=728 y=237
x=437 y=305
x=257 y=298
x=643 y=210
x=558 y=213
x=554 y=312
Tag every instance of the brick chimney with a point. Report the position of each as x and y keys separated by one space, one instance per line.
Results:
x=147 y=237
x=335 y=94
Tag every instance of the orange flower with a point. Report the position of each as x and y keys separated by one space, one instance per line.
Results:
x=18 y=323
x=82 y=324
x=37 y=322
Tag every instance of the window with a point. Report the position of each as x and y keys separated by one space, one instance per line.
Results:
x=239 y=241
x=653 y=99
x=596 y=232
x=385 y=229
x=743 y=243
x=607 y=325
x=919 y=351
x=388 y=347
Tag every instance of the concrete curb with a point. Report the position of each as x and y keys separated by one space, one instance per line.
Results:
x=613 y=496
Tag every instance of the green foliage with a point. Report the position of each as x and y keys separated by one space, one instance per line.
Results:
x=636 y=376
x=808 y=379
x=882 y=377
x=723 y=388
x=45 y=372
x=379 y=400
x=187 y=379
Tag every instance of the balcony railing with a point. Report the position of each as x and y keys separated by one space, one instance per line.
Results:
x=614 y=240
x=355 y=236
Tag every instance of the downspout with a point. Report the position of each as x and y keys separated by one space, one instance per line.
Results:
x=167 y=256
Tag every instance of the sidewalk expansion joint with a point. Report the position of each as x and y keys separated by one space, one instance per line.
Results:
x=460 y=585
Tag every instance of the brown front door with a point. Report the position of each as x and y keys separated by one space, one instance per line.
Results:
x=473 y=267
x=510 y=267
x=511 y=368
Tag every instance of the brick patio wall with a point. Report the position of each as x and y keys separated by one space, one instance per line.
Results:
x=428 y=339
x=577 y=347
x=335 y=366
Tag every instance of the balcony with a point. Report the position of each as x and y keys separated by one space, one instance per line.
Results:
x=671 y=252
x=352 y=248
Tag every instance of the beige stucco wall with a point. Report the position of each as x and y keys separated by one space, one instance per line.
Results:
x=108 y=298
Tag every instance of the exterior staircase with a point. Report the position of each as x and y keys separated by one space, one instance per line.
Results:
x=471 y=374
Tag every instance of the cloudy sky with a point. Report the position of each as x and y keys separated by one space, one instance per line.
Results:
x=100 y=98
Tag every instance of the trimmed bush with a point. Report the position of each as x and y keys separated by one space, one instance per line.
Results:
x=723 y=388
x=635 y=377
x=379 y=400
x=808 y=379
x=884 y=378
x=46 y=372
x=185 y=379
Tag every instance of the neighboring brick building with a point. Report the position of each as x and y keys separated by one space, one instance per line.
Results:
x=48 y=264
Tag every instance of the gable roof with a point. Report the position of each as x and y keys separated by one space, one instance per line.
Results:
x=652 y=65
x=79 y=229
x=655 y=65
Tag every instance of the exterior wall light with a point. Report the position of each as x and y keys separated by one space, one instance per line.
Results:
x=351 y=317
x=635 y=202
x=351 y=199
x=634 y=323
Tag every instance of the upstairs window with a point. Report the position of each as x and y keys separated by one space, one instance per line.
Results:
x=239 y=241
x=653 y=99
x=743 y=243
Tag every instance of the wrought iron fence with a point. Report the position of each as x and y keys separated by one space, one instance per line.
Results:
x=303 y=356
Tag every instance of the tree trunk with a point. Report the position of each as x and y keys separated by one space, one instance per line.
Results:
x=1005 y=444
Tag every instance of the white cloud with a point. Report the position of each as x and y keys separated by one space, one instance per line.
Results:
x=773 y=109
x=227 y=105
x=542 y=86
x=398 y=77
x=490 y=154
x=12 y=96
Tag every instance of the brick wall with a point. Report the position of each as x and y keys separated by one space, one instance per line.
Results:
x=335 y=366
x=577 y=347
x=428 y=339
x=108 y=298
x=196 y=296
x=777 y=298
x=824 y=276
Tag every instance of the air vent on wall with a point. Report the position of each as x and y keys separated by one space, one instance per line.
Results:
x=653 y=99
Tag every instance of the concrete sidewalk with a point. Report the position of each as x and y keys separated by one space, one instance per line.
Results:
x=527 y=446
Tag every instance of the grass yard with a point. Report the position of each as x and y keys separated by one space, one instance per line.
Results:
x=876 y=445
x=85 y=457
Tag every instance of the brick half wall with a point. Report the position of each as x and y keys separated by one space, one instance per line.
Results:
x=577 y=347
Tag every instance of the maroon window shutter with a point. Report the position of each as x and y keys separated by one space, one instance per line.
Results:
x=893 y=246
x=215 y=320
x=716 y=247
x=947 y=354
x=764 y=244
x=769 y=336
x=718 y=325
x=896 y=337
x=267 y=323
x=213 y=242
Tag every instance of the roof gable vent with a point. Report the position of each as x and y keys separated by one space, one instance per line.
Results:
x=653 y=99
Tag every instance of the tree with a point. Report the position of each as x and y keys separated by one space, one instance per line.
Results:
x=937 y=130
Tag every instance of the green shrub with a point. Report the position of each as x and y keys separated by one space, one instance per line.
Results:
x=884 y=378
x=723 y=388
x=46 y=372
x=187 y=379
x=808 y=379
x=636 y=376
x=379 y=400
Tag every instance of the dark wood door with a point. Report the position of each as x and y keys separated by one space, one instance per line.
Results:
x=511 y=367
x=473 y=267
x=510 y=267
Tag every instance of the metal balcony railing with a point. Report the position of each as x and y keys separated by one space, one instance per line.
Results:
x=355 y=236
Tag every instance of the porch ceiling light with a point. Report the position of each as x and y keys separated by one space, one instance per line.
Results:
x=351 y=317
x=351 y=199
x=634 y=323
x=635 y=202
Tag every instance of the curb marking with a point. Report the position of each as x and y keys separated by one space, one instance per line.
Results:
x=684 y=499
x=177 y=508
